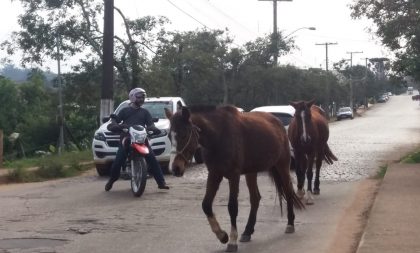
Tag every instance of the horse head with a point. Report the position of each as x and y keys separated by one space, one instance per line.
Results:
x=184 y=137
x=303 y=119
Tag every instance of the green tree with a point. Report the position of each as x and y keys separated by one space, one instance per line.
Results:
x=397 y=24
x=77 y=23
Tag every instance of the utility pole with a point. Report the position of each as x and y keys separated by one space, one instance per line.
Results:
x=107 y=93
x=366 y=103
x=60 y=98
x=1 y=148
x=351 y=79
x=326 y=44
x=275 y=36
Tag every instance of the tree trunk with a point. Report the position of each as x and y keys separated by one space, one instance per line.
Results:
x=225 y=89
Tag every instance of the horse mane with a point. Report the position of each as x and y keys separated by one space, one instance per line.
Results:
x=211 y=108
x=201 y=108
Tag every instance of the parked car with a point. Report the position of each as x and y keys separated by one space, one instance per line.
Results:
x=344 y=113
x=382 y=99
x=105 y=143
x=284 y=112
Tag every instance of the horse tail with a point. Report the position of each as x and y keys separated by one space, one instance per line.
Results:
x=284 y=186
x=329 y=157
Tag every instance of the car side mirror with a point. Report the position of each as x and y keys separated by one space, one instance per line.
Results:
x=105 y=119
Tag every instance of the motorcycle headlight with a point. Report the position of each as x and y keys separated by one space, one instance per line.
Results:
x=99 y=137
x=139 y=137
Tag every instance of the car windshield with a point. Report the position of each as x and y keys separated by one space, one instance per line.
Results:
x=345 y=109
x=284 y=117
x=156 y=108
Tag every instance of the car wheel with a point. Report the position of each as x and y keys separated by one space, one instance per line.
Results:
x=103 y=169
x=198 y=156
x=352 y=117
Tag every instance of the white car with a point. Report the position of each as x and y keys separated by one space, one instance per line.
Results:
x=345 y=112
x=283 y=112
x=105 y=143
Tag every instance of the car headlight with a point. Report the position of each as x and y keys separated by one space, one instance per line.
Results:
x=163 y=132
x=99 y=137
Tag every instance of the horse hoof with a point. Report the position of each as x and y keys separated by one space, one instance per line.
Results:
x=245 y=238
x=300 y=194
x=290 y=229
x=225 y=238
x=232 y=248
x=316 y=192
x=309 y=201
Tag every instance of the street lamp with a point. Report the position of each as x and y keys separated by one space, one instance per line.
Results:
x=301 y=28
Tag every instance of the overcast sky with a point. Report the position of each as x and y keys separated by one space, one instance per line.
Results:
x=249 y=19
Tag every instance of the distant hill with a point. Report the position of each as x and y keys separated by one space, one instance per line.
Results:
x=20 y=75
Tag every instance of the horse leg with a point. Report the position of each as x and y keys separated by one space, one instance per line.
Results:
x=233 y=212
x=300 y=162
x=254 y=197
x=318 y=169
x=309 y=175
x=213 y=182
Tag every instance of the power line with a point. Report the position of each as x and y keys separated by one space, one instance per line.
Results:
x=186 y=13
x=229 y=17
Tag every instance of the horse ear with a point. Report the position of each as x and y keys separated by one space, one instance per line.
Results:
x=310 y=102
x=185 y=113
x=168 y=113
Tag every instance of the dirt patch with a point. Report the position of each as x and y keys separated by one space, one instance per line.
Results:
x=354 y=218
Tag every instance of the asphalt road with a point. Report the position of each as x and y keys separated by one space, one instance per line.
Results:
x=77 y=215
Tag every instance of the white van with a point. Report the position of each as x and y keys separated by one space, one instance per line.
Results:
x=410 y=90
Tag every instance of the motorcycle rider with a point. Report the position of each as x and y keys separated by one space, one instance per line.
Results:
x=134 y=114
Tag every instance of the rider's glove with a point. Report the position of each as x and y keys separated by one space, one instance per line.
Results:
x=154 y=129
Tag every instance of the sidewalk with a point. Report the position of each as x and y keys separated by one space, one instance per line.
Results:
x=394 y=221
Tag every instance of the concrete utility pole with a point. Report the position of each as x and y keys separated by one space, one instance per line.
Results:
x=351 y=80
x=326 y=44
x=1 y=148
x=366 y=102
x=107 y=94
x=60 y=98
x=275 y=32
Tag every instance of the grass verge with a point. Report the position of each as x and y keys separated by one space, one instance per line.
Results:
x=412 y=158
x=380 y=174
x=48 y=167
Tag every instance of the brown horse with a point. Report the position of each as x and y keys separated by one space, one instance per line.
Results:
x=308 y=133
x=232 y=144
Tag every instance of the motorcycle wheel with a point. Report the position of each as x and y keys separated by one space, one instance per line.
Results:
x=138 y=175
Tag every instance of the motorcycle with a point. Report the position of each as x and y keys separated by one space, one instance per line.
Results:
x=136 y=169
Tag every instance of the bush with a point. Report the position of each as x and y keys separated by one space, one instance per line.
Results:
x=19 y=175
x=51 y=169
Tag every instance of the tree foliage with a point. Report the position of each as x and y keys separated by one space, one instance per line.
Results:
x=397 y=25
x=203 y=66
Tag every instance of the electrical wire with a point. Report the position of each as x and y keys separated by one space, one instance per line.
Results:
x=186 y=13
